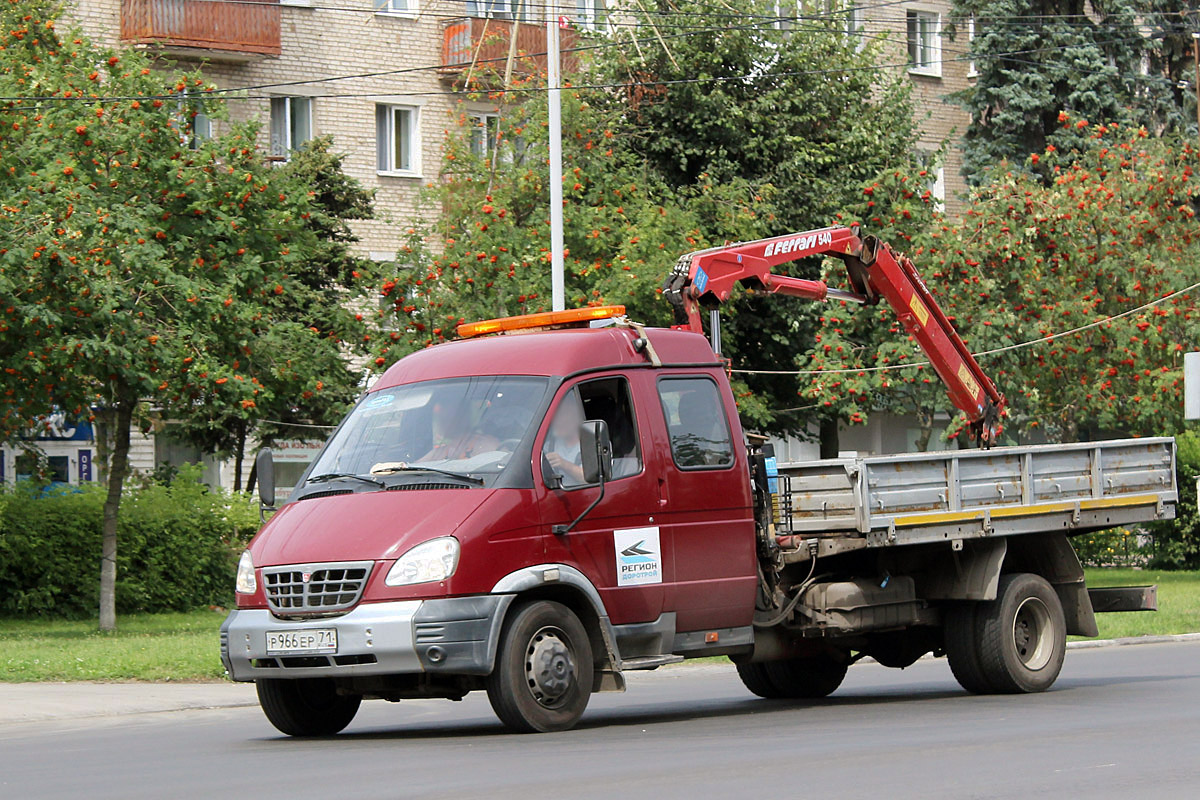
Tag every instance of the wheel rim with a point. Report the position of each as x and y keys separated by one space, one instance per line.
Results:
x=1032 y=633
x=549 y=666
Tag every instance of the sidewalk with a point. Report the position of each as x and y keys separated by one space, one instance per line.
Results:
x=37 y=702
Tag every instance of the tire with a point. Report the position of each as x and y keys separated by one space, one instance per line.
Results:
x=755 y=678
x=1022 y=635
x=542 y=679
x=307 y=706
x=962 y=648
x=794 y=679
x=807 y=678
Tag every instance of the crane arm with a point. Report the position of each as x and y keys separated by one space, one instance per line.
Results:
x=707 y=277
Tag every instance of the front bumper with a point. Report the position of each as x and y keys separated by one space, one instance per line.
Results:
x=453 y=636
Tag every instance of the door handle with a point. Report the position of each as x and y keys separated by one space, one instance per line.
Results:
x=662 y=493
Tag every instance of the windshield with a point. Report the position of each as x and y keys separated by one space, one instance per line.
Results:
x=461 y=426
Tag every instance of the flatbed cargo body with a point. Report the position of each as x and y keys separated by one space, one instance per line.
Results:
x=955 y=495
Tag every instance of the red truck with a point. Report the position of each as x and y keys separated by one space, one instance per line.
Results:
x=545 y=504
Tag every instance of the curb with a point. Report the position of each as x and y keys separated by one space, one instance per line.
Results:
x=1089 y=644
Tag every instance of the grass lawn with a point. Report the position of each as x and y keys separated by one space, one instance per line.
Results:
x=145 y=647
x=183 y=647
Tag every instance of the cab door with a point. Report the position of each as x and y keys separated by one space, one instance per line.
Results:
x=618 y=544
x=707 y=512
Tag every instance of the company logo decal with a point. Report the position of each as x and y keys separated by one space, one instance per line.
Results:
x=798 y=243
x=638 y=556
x=700 y=281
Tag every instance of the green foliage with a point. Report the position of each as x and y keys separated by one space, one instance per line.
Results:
x=1035 y=58
x=1177 y=541
x=179 y=547
x=1119 y=547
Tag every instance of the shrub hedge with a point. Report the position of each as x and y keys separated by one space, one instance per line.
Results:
x=177 y=548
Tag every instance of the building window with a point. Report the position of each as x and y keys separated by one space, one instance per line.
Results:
x=291 y=125
x=591 y=14
x=937 y=187
x=201 y=130
x=502 y=9
x=972 y=72
x=855 y=26
x=400 y=8
x=485 y=131
x=924 y=42
x=396 y=138
x=935 y=177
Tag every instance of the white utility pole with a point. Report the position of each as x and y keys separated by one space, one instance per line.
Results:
x=1191 y=385
x=553 y=78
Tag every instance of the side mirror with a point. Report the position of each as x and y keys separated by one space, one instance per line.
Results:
x=595 y=451
x=264 y=466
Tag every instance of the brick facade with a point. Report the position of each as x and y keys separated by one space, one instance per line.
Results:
x=328 y=39
x=938 y=119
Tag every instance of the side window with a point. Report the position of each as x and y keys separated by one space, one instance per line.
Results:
x=607 y=399
x=696 y=421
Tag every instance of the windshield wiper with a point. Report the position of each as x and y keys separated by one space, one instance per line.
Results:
x=329 y=476
x=459 y=475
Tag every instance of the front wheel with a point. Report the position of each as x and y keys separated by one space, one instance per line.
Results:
x=543 y=675
x=1022 y=635
x=306 y=706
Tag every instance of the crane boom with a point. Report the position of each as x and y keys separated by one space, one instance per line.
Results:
x=706 y=278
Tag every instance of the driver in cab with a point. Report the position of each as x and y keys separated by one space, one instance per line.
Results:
x=562 y=444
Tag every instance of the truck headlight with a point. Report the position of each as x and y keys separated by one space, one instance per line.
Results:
x=428 y=562
x=246 y=584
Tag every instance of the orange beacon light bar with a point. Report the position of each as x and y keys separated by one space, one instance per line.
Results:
x=545 y=319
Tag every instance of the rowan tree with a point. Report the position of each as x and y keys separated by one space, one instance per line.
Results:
x=1103 y=247
x=140 y=267
x=330 y=278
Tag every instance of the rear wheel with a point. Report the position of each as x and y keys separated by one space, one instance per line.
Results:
x=1022 y=635
x=543 y=675
x=755 y=678
x=307 y=706
x=808 y=678
x=962 y=648
x=793 y=679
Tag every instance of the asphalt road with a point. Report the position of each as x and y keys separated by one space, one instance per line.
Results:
x=1122 y=722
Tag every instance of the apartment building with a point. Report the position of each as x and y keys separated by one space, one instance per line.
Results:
x=377 y=75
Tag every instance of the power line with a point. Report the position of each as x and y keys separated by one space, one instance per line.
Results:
x=981 y=353
x=229 y=92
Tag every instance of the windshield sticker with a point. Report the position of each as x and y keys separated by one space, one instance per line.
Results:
x=639 y=558
x=379 y=401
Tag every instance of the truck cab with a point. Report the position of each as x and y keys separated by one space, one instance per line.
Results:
x=541 y=510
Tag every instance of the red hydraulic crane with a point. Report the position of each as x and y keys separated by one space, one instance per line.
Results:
x=706 y=278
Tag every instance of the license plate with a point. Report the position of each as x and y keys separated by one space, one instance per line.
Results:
x=310 y=640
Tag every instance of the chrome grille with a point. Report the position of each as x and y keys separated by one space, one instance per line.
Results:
x=315 y=588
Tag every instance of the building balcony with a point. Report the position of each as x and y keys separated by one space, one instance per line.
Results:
x=215 y=30
x=481 y=46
